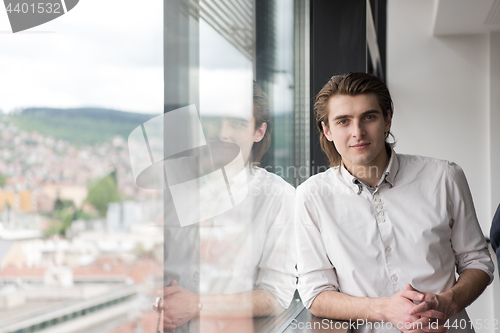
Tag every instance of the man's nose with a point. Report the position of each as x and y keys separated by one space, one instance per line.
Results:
x=224 y=131
x=358 y=130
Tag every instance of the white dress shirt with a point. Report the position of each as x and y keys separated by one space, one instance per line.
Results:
x=415 y=227
x=251 y=246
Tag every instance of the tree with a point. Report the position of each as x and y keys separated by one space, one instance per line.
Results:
x=104 y=192
x=63 y=203
x=3 y=179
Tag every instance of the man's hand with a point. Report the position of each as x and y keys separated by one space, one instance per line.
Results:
x=431 y=320
x=399 y=310
x=471 y=283
x=179 y=306
x=395 y=309
x=442 y=302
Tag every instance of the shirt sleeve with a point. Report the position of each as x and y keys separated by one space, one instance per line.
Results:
x=277 y=273
x=315 y=271
x=467 y=239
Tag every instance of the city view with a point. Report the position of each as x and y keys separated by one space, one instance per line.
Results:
x=81 y=246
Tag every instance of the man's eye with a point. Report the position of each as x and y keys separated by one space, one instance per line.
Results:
x=370 y=117
x=238 y=123
x=342 y=122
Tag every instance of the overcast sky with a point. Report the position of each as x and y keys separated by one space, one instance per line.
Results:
x=102 y=53
x=110 y=54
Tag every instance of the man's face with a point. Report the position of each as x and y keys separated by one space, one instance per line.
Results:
x=241 y=132
x=357 y=127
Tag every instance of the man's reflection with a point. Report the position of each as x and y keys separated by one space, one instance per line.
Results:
x=243 y=133
x=241 y=264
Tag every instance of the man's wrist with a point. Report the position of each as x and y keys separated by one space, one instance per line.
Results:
x=376 y=309
x=448 y=300
x=196 y=305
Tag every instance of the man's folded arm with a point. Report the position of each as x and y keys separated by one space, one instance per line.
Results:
x=471 y=283
x=336 y=305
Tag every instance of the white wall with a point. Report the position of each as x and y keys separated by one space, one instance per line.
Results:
x=446 y=95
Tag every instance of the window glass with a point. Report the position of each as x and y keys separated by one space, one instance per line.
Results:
x=231 y=67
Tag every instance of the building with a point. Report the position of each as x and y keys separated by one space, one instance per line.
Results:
x=95 y=298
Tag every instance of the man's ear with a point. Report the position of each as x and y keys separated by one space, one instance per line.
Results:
x=326 y=131
x=260 y=132
x=388 y=121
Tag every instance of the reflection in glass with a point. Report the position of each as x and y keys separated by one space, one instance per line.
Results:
x=228 y=255
x=246 y=264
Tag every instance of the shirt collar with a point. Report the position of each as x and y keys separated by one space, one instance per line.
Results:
x=349 y=179
x=389 y=174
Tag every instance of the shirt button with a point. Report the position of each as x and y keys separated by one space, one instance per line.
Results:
x=377 y=199
x=382 y=220
x=381 y=214
x=380 y=207
x=388 y=249
x=394 y=278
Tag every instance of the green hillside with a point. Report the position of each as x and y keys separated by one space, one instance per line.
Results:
x=79 y=126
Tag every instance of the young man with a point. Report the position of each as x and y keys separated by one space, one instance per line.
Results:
x=379 y=233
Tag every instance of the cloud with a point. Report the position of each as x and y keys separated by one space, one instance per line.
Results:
x=101 y=53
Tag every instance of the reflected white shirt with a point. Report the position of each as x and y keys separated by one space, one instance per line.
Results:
x=248 y=247
x=251 y=246
x=414 y=228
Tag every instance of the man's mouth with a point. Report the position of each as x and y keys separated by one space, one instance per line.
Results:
x=360 y=145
